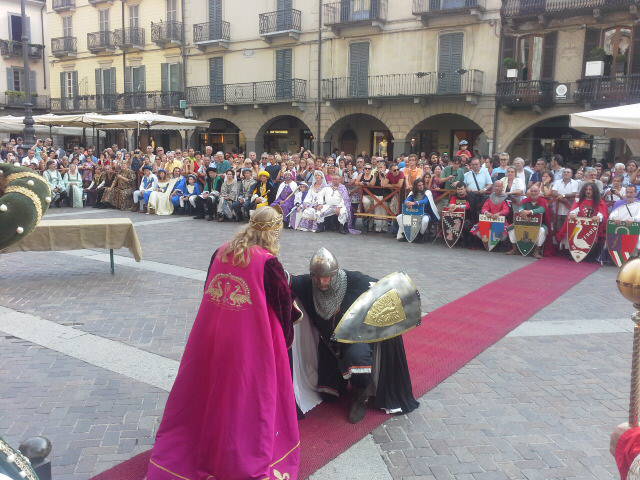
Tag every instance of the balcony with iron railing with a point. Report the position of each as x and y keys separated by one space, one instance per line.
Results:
x=435 y=8
x=64 y=5
x=211 y=34
x=514 y=9
x=252 y=93
x=166 y=34
x=16 y=99
x=355 y=13
x=13 y=49
x=130 y=38
x=101 y=41
x=64 y=46
x=403 y=85
x=608 y=91
x=281 y=23
x=525 y=93
x=119 y=102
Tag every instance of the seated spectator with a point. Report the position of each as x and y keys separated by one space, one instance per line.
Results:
x=496 y=205
x=298 y=201
x=564 y=193
x=228 y=205
x=147 y=185
x=285 y=193
x=614 y=192
x=160 y=199
x=334 y=209
x=191 y=188
x=263 y=191
x=73 y=182
x=419 y=195
x=56 y=183
x=310 y=208
x=207 y=202
x=461 y=201
x=477 y=179
x=533 y=204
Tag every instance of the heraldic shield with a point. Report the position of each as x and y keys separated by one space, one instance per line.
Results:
x=526 y=228
x=582 y=234
x=389 y=308
x=412 y=221
x=452 y=225
x=622 y=240
x=491 y=230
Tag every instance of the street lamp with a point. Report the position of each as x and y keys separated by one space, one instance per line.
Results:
x=29 y=133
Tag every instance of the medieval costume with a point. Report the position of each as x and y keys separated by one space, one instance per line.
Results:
x=464 y=203
x=191 y=188
x=333 y=213
x=231 y=413
x=496 y=204
x=120 y=193
x=228 y=205
x=310 y=212
x=73 y=181
x=298 y=200
x=147 y=184
x=627 y=454
x=629 y=211
x=285 y=193
x=585 y=208
x=91 y=190
x=56 y=184
x=373 y=369
x=424 y=198
x=160 y=199
x=537 y=206
x=263 y=191
x=107 y=179
x=207 y=201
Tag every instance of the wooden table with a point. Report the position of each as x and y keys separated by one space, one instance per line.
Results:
x=59 y=235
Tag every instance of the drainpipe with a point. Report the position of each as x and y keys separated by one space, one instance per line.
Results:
x=44 y=68
x=319 y=112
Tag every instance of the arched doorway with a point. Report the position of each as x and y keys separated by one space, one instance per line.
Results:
x=285 y=134
x=223 y=136
x=443 y=133
x=361 y=133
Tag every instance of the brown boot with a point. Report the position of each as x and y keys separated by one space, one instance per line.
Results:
x=537 y=252
x=358 y=406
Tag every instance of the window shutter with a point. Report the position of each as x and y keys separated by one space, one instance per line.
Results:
x=127 y=80
x=549 y=55
x=591 y=41
x=635 y=50
x=216 y=79
x=28 y=22
x=283 y=73
x=112 y=76
x=63 y=91
x=508 y=49
x=164 y=77
x=74 y=82
x=32 y=82
x=142 y=87
x=180 y=86
x=98 y=81
x=9 y=78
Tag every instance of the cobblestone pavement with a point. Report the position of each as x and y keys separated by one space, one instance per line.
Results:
x=532 y=407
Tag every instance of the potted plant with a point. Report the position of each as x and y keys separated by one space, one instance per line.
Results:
x=595 y=62
x=511 y=66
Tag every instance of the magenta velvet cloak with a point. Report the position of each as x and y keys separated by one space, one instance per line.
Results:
x=231 y=414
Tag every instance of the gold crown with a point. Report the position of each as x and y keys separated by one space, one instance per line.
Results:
x=275 y=224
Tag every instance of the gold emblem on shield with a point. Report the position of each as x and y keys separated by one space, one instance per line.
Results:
x=386 y=311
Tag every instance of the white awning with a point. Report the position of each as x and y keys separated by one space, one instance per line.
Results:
x=616 y=122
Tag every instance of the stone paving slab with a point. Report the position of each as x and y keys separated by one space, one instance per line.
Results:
x=94 y=418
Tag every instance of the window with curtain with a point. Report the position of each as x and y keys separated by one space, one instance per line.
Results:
x=616 y=42
x=67 y=26
x=530 y=56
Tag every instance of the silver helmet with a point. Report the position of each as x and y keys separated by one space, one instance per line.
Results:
x=323 y=264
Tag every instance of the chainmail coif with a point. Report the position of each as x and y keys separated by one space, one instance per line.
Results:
x=328 y=303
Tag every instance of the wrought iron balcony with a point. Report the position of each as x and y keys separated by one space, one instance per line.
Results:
x=513 y=9
x=64 y=5
x=129 y=38
x=526 y=93
x=435 y=8
x=64 y=46
x=272 y=91
x=100 y=41
x=355 y=12
x=15 y=99
x=404 y=85
x=119 y=102
x=13 y=49
x=609 y=92
x=166 y=34
x=211 y=34
x=280 y=23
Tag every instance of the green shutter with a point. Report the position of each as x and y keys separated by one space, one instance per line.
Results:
x=127 y=80
x=74 y=82
x=450 y=62
x=549 y=55
x=284 y=72
x=164 y=77
x=9 y=78
x=113 y=80
x=142 y=80
x=32 y=81
x=359 y=69
x=216 y=79
x=63 y=92
x=180 y=85
x=98 y=81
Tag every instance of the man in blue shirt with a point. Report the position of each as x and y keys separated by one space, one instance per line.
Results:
x=477 y=179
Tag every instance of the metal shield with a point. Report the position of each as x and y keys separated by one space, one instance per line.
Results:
x=389 y=308
x=412 y=221
x=526 y=229
x=582 y=234
x=452 y=224
x=491 y=231
x=622 y=240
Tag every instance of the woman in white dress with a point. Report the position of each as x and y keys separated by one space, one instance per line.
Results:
x=310 y=207
x=160 y=199
x=73 y=182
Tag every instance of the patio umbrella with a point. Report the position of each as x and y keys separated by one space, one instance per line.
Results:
x=616 y=122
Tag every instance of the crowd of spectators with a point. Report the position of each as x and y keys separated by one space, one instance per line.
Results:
x=336 y=192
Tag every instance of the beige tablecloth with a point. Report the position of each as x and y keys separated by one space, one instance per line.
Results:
x=79 y=234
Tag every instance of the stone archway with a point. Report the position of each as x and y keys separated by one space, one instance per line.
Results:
x=222 y=135
x=360 y=132
x=442 y=133
x=284 y=133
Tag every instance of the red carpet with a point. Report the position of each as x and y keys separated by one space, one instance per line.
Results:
x=449 y=338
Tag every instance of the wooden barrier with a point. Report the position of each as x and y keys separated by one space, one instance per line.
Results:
x=384 y=202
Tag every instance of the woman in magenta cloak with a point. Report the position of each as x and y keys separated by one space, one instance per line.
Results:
x=231 y=414
x=285 y=194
